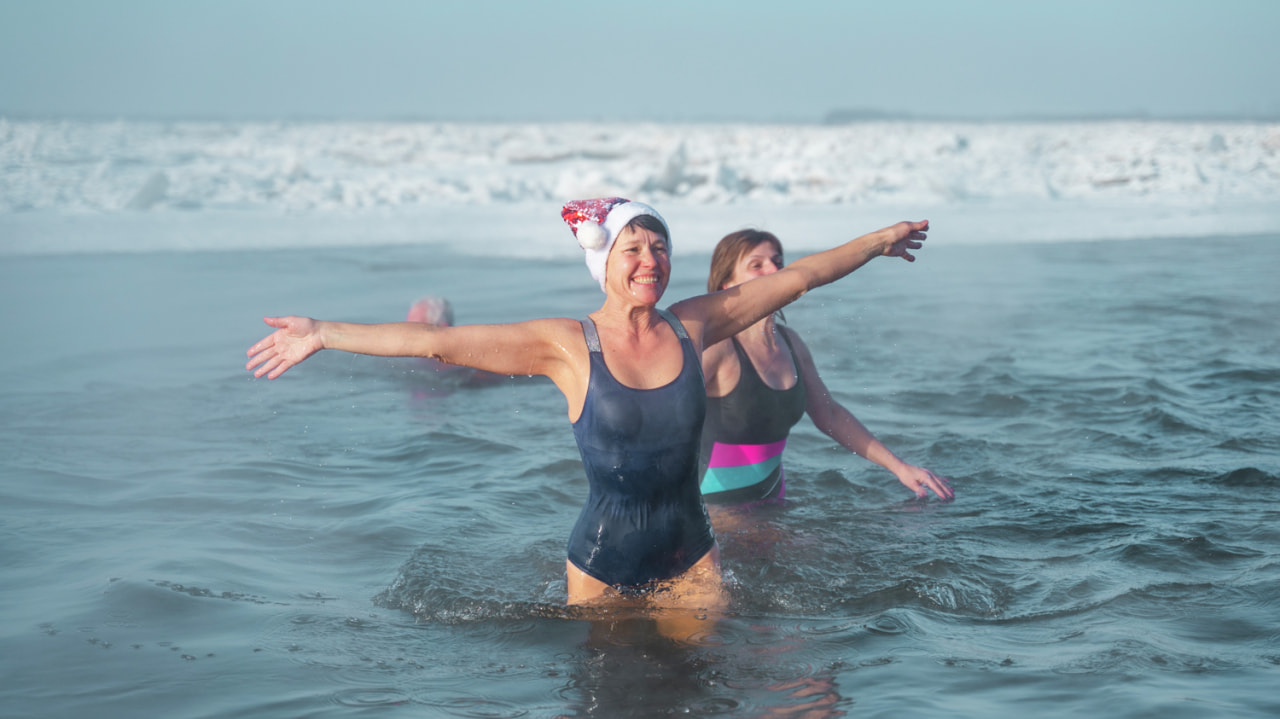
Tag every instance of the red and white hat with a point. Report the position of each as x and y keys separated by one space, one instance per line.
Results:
x=596 y=224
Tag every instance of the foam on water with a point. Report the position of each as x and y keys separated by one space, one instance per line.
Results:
x=320 y=181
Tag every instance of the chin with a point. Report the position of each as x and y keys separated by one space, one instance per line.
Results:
x=651 y=292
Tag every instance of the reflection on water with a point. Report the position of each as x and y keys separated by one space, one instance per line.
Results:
x=176 y=535
x=631 y=668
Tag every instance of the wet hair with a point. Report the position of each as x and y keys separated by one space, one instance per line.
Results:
x=730 y=249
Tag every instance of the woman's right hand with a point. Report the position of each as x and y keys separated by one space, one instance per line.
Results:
x=295 y=339
x=921 y=480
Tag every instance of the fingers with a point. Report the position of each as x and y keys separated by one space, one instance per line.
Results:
x=282 y=349
x=901 y=248
x=256 y=356
x=260 y=365
x=274 y=367
x=279 y=366
x=944 y=491
x=939 y=485
x=264 y=358
x=926 y=481
x=917 y=230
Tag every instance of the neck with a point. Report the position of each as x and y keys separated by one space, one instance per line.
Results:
x=631 y=314
x=766 y=331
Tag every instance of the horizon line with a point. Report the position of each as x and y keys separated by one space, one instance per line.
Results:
x=853 y=116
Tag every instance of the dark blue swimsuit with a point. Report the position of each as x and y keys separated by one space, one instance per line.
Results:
x=644 y=519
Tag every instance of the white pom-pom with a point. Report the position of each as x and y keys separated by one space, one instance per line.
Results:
x=591 y=236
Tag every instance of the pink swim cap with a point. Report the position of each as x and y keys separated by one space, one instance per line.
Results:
x=431 y=310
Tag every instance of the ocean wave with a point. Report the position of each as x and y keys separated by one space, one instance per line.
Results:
x=109 y=167
x=1251 y=477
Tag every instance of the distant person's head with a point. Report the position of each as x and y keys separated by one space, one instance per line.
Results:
x=743 y=255
x=431 y=310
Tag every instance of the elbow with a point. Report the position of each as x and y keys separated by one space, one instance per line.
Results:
x=801 y=280
x=807 y=279
x=821 y=420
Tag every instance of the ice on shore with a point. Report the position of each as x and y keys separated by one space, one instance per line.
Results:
x=1129 y=168
x=115 y=166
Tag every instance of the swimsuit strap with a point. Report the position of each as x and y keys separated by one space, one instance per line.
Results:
x=593 y=337
x=782 y=330
x=744 y=361
x=743 y=357
x=674 y=321
x=589 y=331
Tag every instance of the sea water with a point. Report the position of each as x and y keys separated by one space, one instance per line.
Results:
x=365 y=535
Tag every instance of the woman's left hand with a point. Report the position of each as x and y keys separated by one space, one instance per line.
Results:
x=921 y=480
x=904 y=237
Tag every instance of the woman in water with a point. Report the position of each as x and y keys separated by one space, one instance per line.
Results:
x=632 y=382
x=437 y=312
x=760 y=382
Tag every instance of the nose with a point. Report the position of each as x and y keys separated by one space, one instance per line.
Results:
x=769 y=267
x=648 y=258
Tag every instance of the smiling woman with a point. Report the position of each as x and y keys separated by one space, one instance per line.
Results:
x=631 y=377
x=759 y=384
x=643 y=261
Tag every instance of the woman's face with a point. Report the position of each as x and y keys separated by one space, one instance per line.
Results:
x=638 y=267
x=763 y=259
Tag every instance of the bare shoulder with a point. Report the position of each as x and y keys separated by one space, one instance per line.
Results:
x=694 y=313
x=532 y=347
x=555 y=325
x=560 y=332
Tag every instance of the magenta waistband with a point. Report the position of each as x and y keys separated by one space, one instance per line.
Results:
x=737 y=455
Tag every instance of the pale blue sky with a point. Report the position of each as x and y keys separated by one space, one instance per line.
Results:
x=792 y=60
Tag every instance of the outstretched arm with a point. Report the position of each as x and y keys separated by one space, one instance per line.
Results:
x=839 y=424
x=720 y=315
x=542 y=347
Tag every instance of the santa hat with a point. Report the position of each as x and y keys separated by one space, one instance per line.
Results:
x=596 y=223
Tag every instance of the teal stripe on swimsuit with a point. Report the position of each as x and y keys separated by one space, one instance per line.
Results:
x=724 y=479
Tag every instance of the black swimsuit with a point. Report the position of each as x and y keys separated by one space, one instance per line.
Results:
x=644 y=519
x=745 y=433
